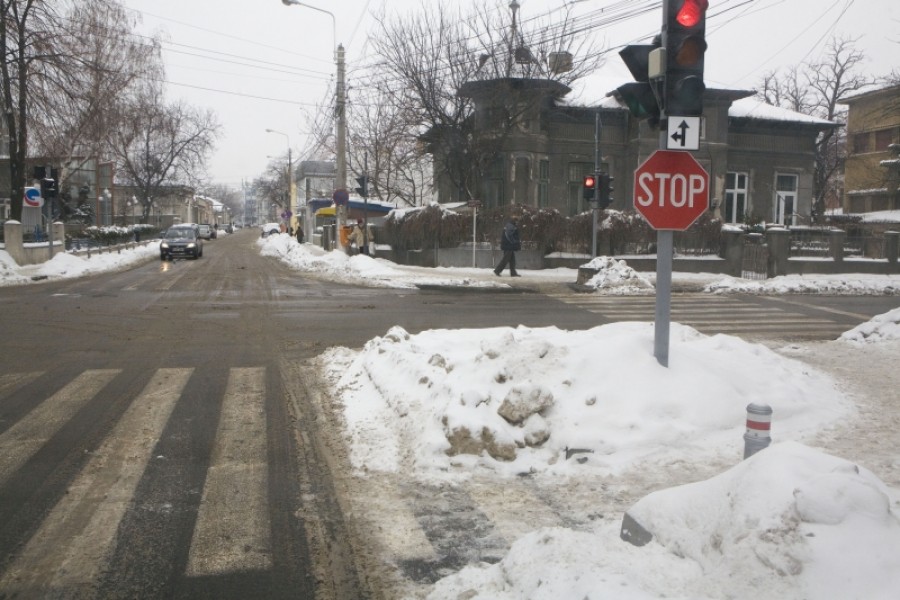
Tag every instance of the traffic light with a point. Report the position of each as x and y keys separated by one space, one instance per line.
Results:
x=604 y=189
x=590 y=184
x=640 y=97
x=685 y=40
x=48 y=188
x=363 y=189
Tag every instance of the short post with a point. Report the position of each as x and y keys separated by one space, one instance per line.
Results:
x=891 y=243
x=837 y=237
x=759 y=422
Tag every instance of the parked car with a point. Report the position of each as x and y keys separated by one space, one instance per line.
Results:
x=181 y=241
x=270 y=228
x=206 y=231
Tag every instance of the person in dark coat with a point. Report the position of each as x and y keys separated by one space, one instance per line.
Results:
x=510 y=244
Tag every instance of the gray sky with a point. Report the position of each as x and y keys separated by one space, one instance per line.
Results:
x=262 y=65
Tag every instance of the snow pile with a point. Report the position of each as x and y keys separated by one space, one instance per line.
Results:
x=881 y=328
x=336 y=265
x=513 y=400
x=790 y=522
x=837 y=284
x=616 y=276
x=65 y=265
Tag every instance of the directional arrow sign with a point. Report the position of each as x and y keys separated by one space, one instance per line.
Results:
x=684 y=133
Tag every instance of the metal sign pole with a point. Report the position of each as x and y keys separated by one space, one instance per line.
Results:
x=474 y=237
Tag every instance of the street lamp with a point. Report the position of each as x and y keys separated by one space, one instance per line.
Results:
x=290 y=169
x=340 y=115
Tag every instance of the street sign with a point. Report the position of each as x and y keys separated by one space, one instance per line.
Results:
x=683 y=133
x=671 y=190
x=341 y=197
x=33 y=197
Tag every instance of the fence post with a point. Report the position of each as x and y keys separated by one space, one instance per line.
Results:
x=836 y=244
x=733 y=251
x=891 y=244
x=778 y=240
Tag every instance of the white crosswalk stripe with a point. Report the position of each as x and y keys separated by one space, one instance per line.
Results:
x=75 y=541
x=711 y=314
x=22 y=440
x=232 y=531
x=76 y=538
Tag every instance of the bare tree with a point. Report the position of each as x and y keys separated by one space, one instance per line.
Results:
x=272 y=186
x=817 y=89
x=25 y=43
x=159 y=144
x=100 y=61
x=426 y=59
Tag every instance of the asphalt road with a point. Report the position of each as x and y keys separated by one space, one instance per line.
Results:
x=156 y=434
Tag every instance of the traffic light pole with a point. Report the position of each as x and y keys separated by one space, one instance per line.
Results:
x=596 y=202
x=665 y=252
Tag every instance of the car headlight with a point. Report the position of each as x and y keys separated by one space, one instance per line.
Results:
x=164 y=245
x=192 y=245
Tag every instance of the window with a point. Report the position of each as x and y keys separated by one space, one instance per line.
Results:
x=860 y=143
x=883 y=139
x=785 y=199
x=544 y=184
x=492 y=184
x=735 y=197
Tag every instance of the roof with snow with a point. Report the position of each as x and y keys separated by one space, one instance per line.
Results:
x=754 y=108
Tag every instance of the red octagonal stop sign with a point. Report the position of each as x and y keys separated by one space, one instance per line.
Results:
x=671 y=189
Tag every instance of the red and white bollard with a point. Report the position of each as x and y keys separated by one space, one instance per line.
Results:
x=759 y=422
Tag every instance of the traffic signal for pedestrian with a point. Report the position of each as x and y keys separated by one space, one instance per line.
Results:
x=363 y=189
x=604 y=190
x=641 y=96
x=590 y=184
x=685 y=42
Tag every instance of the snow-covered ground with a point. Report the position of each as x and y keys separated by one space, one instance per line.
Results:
x=813 y=516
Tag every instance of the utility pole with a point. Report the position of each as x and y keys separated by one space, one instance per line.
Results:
x=341 y=151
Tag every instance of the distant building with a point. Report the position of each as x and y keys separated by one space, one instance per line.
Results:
x=760 y=158
x=872 y=169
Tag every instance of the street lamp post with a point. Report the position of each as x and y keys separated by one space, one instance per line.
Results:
x=290 y=170
x=340 y=114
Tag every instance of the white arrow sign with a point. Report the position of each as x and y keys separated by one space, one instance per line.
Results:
x=683 y=133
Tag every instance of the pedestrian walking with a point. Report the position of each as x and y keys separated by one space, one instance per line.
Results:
x=510 y=244
x=299 y=233
x=358 y=237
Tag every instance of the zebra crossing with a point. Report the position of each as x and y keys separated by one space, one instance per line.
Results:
x=69 y=549
x=118 y=519
x=712 y=314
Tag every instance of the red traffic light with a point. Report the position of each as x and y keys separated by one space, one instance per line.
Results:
x=590 y=181
x=691 y=12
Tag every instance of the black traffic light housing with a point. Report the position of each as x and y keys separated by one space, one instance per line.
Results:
x=49 y=181
x=684 y=23
x=363 y=189
x=604 y=189
x=588 y=187
x=48 y=188
x=640 y=97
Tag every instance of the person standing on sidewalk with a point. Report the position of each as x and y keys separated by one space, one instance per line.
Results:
x=510 y=244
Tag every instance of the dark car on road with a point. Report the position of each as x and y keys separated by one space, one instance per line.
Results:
x=181 y=241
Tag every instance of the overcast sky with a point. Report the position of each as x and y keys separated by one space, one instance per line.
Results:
x=262 y=65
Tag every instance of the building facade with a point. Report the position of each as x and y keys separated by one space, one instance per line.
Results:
x=872 y=168
x=760 y=158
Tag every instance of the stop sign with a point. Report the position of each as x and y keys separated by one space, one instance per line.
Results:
x=671 y=189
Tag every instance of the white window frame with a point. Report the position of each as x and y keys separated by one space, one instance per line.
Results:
x=786 y=201
x=737 y=194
